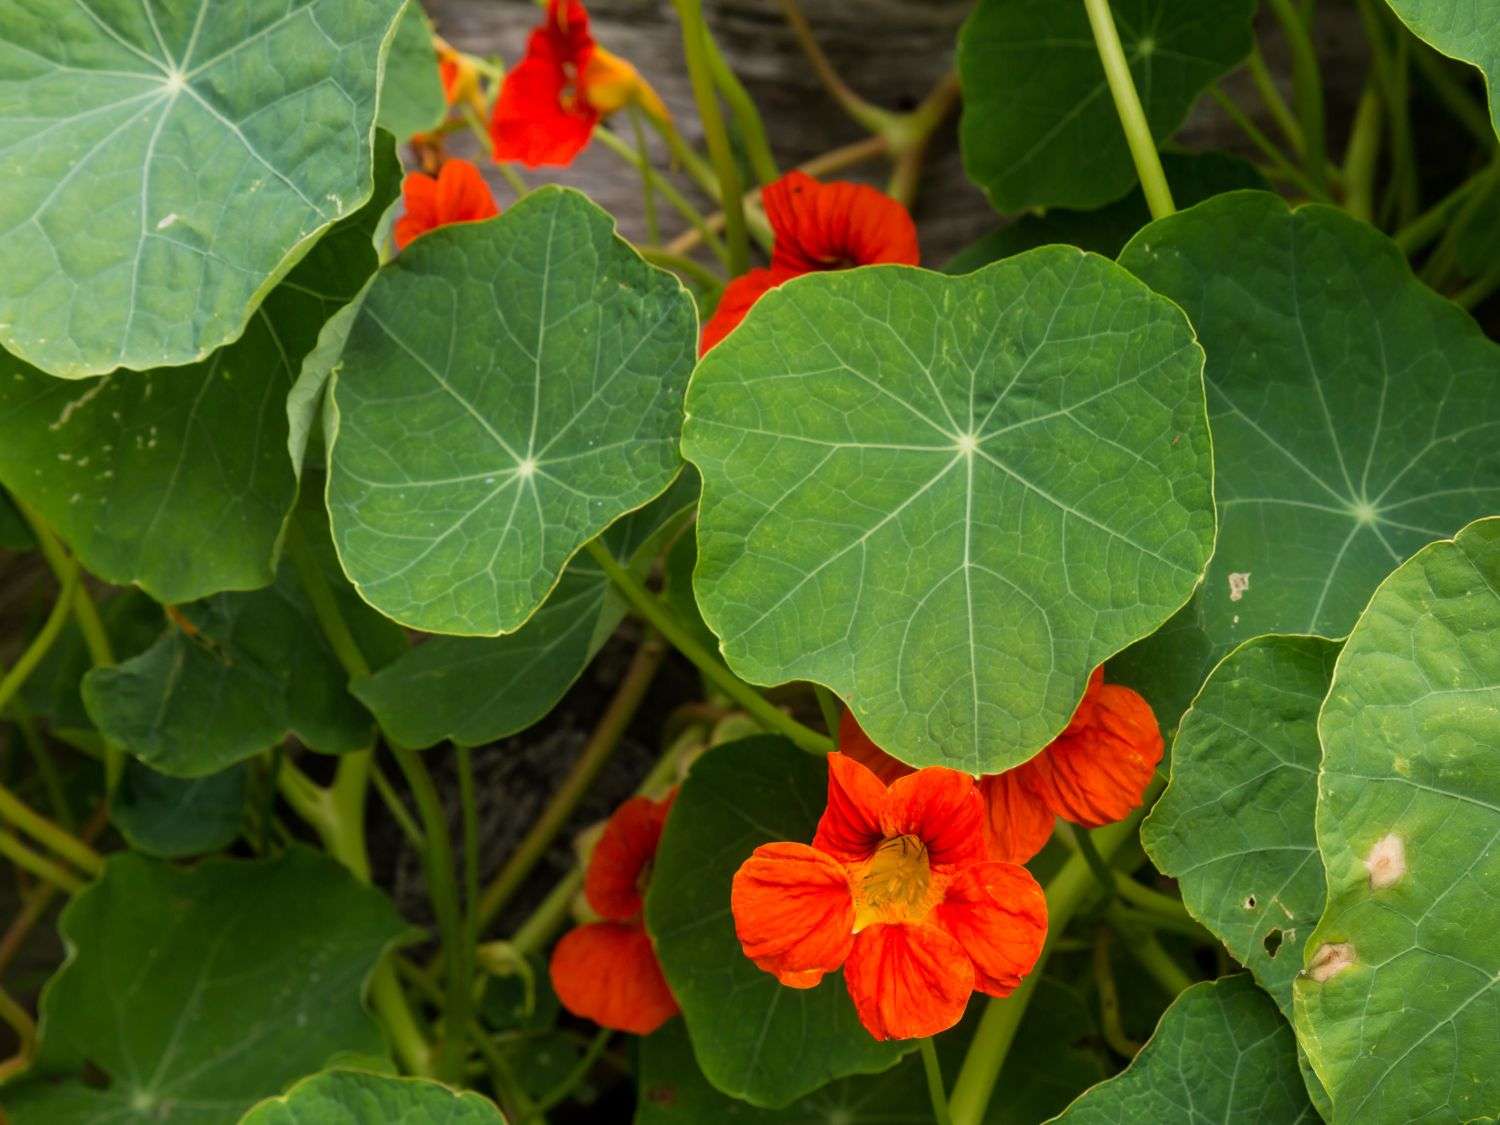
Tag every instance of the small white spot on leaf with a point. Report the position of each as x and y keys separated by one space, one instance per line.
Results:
x=167 y=221
x=1332 y=958
x=1386 y=862
x=1239 y=582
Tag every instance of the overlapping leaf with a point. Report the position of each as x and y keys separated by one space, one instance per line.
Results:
x=166 y=165
x=196 y=993
x=1221 y=1053
x=1356 y=416
x=473 y=690
x=754 y=1039
x=949 y=498
x=177 y=479
x=172 y=817
x=1462 y=29
x=411 y=97
x=508 y=390
x=1235 y=826
x=1400 y=1007
x=1039 y=125
x=352 y=1097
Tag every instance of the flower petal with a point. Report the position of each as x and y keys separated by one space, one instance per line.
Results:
x=850 y=829
x=462 y=194
x=735 y=302
x=854 y=742
x=419 y=201
x=1019 y=822
x=942 y=808
x=1097 y=770
x=612 y=883
x=607 y=972
x=998 y=914
x=832 y=226
x=908 y=982
x=793 y=912
x=530 y=122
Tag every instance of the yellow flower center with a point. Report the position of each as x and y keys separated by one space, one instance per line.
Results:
x=894 y=885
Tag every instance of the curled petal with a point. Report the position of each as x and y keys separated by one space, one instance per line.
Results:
x=908 y=981
x=458 y=195
x=735 y=302
x=942 y=808
x=998 y=914
x=1019 y=822
x=855 y=743
x=1097 y=770
x=850 y=828
x=613 y=883
x=607 y=972
x=793 y=912
x=832 y=226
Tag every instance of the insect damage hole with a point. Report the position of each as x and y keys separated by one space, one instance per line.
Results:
x=1249 y=903
x=1272 y=942
x=1386 y=862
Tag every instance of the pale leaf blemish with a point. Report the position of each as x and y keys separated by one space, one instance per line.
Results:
x=167 y=221
x=1386 y=862
x=1239 y=583
x=1332 y=958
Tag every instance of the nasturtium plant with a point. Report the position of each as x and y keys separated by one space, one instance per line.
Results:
x=470 y=655
x=1404 y=961
x=192 y=155
x=914 y=439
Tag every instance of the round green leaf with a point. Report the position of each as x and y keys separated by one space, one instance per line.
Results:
x=1400 y=1006
x=754 y=1039
x=166 y=165
x=1221 y=1053
x=197 y=992
x=950 y=498
x=411 y=97
x=1461 y=29
x=1039 y=126
x=1235 y=825
x=352 y=1097
x=172 y=816
x=507 y=391
x=1355 y=414
x=474 y=690
x=177 y=479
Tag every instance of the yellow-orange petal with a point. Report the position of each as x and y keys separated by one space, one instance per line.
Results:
x=793 y=912
x=607 y=972
x=998 y=915
x=1019 y=822
x=908 y=981
x=850 y=828
x=613 y=883
x=942 y=808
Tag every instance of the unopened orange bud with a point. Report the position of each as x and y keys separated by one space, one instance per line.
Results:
x=610 y=83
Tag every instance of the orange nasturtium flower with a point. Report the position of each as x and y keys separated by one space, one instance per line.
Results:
x=607 y=971
x=457 y=194
x=817 y=227
x=899 y=889
x=549 y=104
x=1095 y=772
x=459 y=75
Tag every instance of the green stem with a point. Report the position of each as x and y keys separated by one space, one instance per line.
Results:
x=458 y=952
x=487 y=144
x=1307 y=88
x=469 y=806
x=1109 y=998
x=1271 y=98
x=1428 y=225
x=871 y=117
x=648 y=177
x=935 y=1091
x=575 y=1076
x=324 y=604
x=46 y=768
x=678 y=201
x=549 y=916
x=1142 y=944
x=1281 y=165
x=1362 y=157
x=731 y=191
x=686 y=157
x=1472 y=294
x=16 y=812
x=45 y=638
x=39 y=865
x=397 y=808
x=1128 y=105
x=1154 y=902
x=19 y=1020
x=680 y=264
x=832 y=709
x=601 y=744
x=657 y=614
x=746 y=116
x=1067 y=891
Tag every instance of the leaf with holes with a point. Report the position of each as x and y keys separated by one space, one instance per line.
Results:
x=1461 y=29
x=508 y=390
x=950 y=498
x=1039 y=126
x=1356 y=416
x=754 y=1039
x=1221 y=1053
x=473 y=690
x=1399 y=1007
x=1235 y=825
x=159 y=996
x=177 y=479
x=352 y=1097
x=165 y=168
